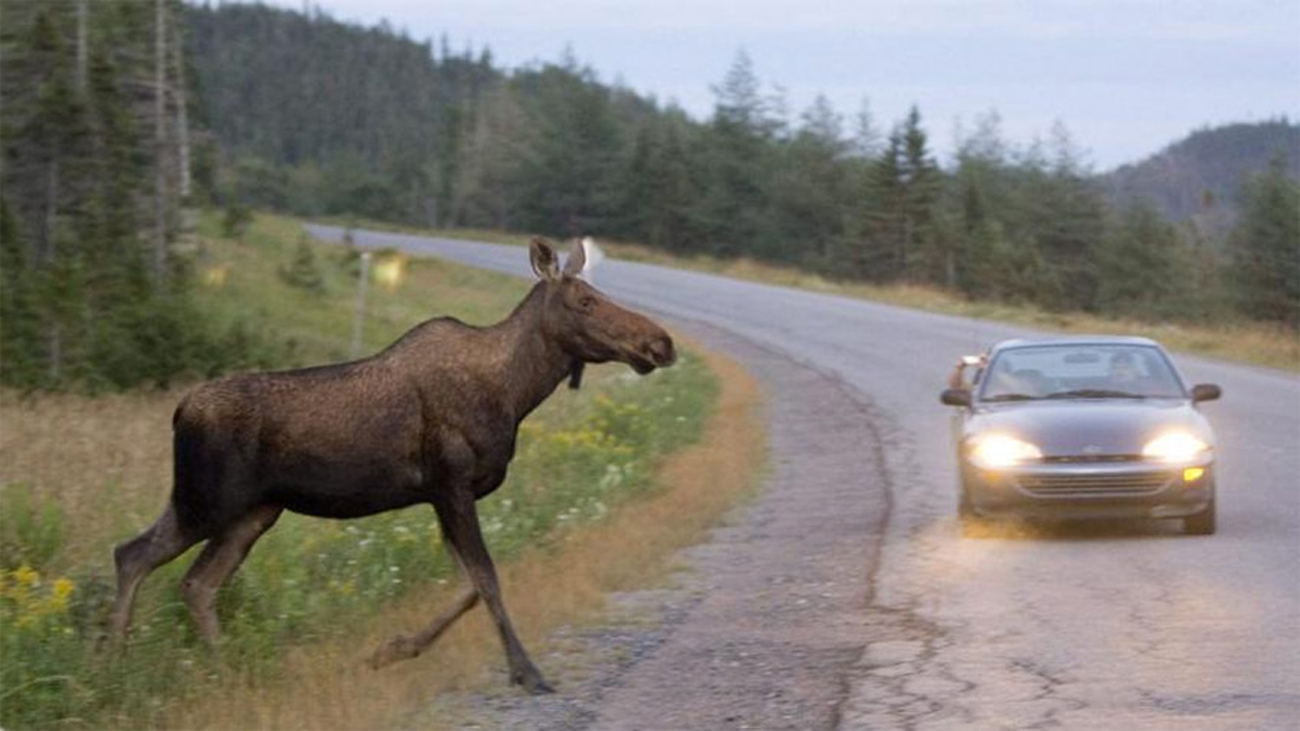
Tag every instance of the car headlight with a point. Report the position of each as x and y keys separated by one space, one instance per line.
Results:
x=1174 y=447
x=1000 y=450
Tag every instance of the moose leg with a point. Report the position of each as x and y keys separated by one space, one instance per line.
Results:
x=223 y=554
x=137 y=558
x=404 y=647
x=459 y=520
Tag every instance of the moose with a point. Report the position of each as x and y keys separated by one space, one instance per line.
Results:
x=433 y=418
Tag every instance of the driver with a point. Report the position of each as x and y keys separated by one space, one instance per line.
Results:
x=1123 y=369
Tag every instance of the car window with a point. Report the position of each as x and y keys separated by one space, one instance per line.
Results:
x=1082 y=371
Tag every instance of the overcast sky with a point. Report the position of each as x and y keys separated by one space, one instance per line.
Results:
x=1126 y=77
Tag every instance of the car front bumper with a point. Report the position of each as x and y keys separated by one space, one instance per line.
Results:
x=1131 y=489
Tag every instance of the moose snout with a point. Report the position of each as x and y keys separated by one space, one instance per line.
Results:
x=661 y=352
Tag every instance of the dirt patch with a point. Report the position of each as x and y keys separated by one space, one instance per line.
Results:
x=765 y=621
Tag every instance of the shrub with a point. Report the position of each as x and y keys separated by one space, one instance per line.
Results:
x=302 y=271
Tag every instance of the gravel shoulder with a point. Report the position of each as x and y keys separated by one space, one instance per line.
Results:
x=762 y=625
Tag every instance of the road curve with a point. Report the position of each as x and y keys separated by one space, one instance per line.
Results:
x=1122 y=626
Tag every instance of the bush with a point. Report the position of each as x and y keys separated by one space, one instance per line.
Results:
x=235 y=220
x=302 y=271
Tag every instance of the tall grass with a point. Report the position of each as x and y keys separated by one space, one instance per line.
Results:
x=79 y=474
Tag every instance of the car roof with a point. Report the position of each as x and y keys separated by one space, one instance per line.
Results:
x=1077 y=340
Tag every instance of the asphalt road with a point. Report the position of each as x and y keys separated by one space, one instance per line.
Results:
x=1118 y=626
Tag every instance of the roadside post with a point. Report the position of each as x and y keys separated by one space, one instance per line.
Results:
x=359 y=319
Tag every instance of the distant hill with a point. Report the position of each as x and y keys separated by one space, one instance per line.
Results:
x=1198 y=178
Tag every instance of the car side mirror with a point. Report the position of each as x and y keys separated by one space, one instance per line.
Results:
x=1206 y=392
x=955 y=397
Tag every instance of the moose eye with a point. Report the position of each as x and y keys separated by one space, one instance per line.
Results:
x=587 y=302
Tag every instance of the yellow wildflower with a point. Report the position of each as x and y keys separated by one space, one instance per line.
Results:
x=25 y=576
x=60 y=593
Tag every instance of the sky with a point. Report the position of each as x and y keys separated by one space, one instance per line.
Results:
x=1124 y=77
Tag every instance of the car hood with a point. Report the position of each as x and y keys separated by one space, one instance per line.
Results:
x=1089 y=426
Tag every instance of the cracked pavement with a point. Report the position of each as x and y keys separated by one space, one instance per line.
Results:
x=901 y=623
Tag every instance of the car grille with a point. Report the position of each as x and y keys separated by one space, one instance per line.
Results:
x=1092 y=458
x=1121 y=483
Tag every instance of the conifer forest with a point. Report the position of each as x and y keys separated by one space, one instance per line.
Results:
x=120 y=118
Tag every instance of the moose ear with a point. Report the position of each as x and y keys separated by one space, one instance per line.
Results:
x=577 y=259
x=545 y=263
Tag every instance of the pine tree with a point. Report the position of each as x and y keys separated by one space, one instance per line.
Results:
x=302 y=271
x=80 y=145
x=1266 y=247
x=658 y=189
x=811 y=189
x=570 y=178
x=922 y=256
x=897 y=235
x=984 y=257
x=736 y=166
x=877 y=254
x=1140 y=265
x=1065 y=215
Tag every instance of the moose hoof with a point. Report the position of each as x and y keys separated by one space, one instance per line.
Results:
x=532 y=683
x=398 y=648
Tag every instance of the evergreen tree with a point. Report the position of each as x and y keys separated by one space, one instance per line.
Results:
x=877 y=253
x=490 y=167
x=811 y=189
x=1065 y=215
x=1140 y=265
x=1266 y=247
x=866 y=138
x=897 y=234
x=922 y=255
x=736 y=163
x=91 y=178
x=302 y=271
x=659 y=188
x=988 y=261
x=570 y=176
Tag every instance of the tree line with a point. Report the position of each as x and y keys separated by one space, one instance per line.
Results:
x=320 y=117
x=118 y=116
x=94 y=177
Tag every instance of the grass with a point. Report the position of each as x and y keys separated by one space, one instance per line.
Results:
x=79 y=474
x=1255 y=343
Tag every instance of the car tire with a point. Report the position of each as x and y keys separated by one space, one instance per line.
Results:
x=1201 y=524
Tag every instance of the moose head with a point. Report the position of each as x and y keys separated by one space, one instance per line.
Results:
x=587 y=324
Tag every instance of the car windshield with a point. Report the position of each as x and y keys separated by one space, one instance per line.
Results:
x=1079 y=371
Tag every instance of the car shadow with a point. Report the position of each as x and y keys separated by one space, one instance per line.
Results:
x=1072 y=530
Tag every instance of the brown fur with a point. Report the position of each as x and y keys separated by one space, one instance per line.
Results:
x=431 y=419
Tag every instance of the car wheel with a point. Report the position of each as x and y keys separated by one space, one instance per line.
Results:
x=1201 y=524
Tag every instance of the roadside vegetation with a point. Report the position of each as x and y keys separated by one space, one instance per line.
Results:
x=457 y=141
x=80 y=473
x=1275 y=345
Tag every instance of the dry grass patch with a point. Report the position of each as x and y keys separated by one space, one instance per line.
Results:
x=105 y=461
x=327 y=686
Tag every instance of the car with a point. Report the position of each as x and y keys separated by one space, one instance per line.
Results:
x=1082 y=428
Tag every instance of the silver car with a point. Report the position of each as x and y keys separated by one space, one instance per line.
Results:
x=1084 y=428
